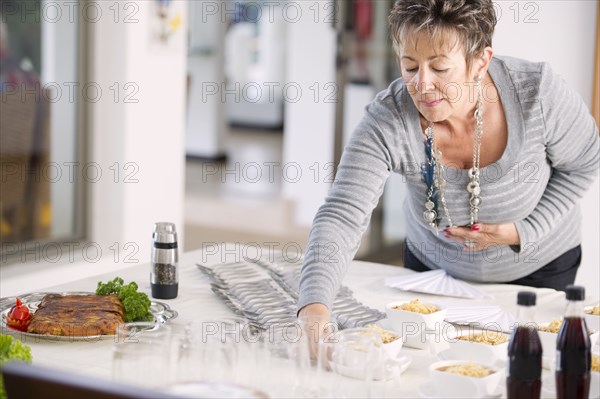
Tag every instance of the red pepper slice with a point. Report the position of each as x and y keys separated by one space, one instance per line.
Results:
x=19 y=316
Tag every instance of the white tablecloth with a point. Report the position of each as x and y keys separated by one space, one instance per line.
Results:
x=196 y=302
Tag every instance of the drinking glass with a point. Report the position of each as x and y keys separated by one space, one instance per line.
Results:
x=142 y=354
x=308 y=357
x=207 y=352
x=356 y=353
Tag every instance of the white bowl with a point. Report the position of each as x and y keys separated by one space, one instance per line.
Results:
x=392 y=349
x=479 y=352
x=455 y=385
x=592 y=321
x=434 y=343
x=549 y=341
x=392 y=368
x=415 y=326
x=403 y=320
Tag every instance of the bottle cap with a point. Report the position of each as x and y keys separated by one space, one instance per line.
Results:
x=575 y=293
x=164 y=233
x=526 y=298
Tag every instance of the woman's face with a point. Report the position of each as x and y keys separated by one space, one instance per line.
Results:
x=437 y=78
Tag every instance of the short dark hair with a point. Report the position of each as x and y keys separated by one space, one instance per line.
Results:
x=472 y=20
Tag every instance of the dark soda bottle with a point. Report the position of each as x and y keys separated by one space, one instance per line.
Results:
x=524 y=353
x=573 y=349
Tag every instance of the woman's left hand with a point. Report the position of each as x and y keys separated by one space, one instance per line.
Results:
x=480 y=235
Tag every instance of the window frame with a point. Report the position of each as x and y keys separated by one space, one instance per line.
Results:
x=35 y=248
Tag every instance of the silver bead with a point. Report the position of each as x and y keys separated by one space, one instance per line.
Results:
x=473 y=188
x=429 y=205
x=429 y=216
x=475 y=201
x=475 y=210
x=473 y=172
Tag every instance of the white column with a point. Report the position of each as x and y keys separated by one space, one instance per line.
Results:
x=205 y=127
x=309 y=107
x=140 y=134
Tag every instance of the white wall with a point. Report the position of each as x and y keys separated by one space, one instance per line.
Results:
x=563 y=36
x=145 y=139
x=309 y=121
x=154 y=132
x=205 y=125
x=142 y=134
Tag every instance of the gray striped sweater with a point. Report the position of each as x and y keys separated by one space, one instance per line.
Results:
x=551 y=158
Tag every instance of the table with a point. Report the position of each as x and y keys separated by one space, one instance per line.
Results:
x=196 y=302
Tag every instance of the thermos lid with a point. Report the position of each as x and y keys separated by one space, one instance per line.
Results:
x=526 y=298
x=164 y=233
x=575 y=293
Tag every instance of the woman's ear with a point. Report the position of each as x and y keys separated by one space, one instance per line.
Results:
x=482 y=62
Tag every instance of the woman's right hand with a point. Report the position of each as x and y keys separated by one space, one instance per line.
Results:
x=315 y=321
x=315 y=310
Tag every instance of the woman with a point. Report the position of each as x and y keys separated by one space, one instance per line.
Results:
x=496 y=153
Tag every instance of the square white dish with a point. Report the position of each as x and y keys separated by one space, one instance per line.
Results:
x=455 y=385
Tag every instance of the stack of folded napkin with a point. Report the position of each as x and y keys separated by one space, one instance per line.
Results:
x=436 y=282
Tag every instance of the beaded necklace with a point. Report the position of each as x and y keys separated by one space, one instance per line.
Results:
x=433 y=172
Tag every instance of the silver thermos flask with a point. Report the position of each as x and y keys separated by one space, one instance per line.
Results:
x=164 y=273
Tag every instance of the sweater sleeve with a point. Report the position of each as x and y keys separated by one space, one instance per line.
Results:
x=341 y=221
x=573 y=151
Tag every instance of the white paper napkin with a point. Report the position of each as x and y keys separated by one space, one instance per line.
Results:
x=486 y=316
x=436 y=282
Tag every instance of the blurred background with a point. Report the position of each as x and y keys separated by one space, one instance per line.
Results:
x=224 y=117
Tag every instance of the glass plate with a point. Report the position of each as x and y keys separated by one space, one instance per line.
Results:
x=161 y=311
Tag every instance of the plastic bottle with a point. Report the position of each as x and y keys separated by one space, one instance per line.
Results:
x=524 y=353
x=573 y=349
